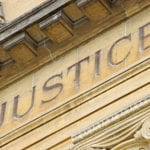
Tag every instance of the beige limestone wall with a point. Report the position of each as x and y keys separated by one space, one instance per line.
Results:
x=16 y=8
x=57 y=133
x=115 y=87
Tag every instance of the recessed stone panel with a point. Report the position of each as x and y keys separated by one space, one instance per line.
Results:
x=94 y=9
x=3 y=55
x=36 y=33
x=57 y=27
x=5 y=60
x=74 y=13
x=21 y=48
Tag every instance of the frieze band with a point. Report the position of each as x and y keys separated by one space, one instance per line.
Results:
x=77 y=69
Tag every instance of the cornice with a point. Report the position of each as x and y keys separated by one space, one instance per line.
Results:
x=31 y=17
x=56 y=27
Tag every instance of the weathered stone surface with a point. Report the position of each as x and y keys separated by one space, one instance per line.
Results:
x=93 y=96
x=56 y=27
x=81 y=87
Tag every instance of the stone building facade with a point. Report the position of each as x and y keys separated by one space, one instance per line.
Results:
x=75 y=75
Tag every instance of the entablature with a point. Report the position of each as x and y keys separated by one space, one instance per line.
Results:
x=125 y=130
x=55 y=27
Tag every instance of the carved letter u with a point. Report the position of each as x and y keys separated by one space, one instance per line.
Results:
x=15 y=107
x=2 y=115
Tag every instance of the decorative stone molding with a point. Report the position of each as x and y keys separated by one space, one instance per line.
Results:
x=60 y=26
x=141 y=140
x=129 y=128
x=22 y=48
x=146 y=130
x=57 y=27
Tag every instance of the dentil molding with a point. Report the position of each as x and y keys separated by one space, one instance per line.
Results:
x=125 y=130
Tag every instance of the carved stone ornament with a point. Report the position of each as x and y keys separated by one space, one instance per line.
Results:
x=128 y=129
x=141 y=140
